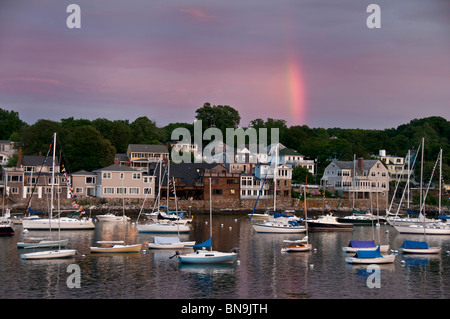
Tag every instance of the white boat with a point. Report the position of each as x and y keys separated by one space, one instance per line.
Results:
x=163 y=227
x=370 y=257
x=169 y=243
x=50 y=254
x=328 y=223
x=112 y=217
x=5 y=227
x=429 y=229
x=204 y=256
x=358 y=245
x=289 y=227
x=42 y=243
x=116 y=247
x=296 y=245
x=418 y=247
x=57 y=253
x=64 y=223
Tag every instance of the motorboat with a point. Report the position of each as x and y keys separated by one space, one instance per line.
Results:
x=42 y=243
x=328 y=223
x=63 y=223
x=296 y=245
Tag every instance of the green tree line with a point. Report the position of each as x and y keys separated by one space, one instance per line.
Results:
x=92 y=144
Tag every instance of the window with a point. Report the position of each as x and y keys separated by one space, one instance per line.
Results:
x=136 y=175
x=217 y=192
x=134 y=190
x=121 y=190
x=79 y=190
x=147 y=190
x=108 y=190
x=106 y=175
x=90 y=180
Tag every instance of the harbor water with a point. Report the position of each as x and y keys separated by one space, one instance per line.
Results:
x=261 y=270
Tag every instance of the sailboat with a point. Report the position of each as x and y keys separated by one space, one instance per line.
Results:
x=302 y=244
x=370 y=257
x=166 y=225
x=172 y=242
x=424 y=227
x=60 y=223
x=57 y=253
x=418 y=247
x=117 y=246
x=276 y=224
x=205 y=256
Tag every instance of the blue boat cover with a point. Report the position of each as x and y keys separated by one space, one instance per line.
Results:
x=207 y=243
x=362 y=243
x=369 y=253
x=33 y=212
x=415 y=244
x=410 y=212
x=293 y=223
x=443 y=216
x=275 y=214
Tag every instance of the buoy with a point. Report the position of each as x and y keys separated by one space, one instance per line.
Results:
x=311 y=266
x=229 y=228
x=238 y=262
x=221 y=225
x=25 y=231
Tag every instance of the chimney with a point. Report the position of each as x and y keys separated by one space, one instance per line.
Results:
x=19 y=160
x=116 y=160
x=360 y=164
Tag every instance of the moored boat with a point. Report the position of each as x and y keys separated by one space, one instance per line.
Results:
x=50 y=254
x=169 y=243
x=418 y=247
x=370 y=257
x=358 y=245
x=328 y=223
x=116 y=247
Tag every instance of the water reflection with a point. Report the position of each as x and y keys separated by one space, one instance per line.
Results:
x=261 y=269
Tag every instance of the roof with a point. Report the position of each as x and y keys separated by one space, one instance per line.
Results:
x=38 y=160
x=188 y=171
x=151 y=148
x=289 y=151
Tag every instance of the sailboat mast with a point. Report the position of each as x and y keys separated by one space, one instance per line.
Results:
x=275 y=180
x=210 y=212
x=440 y=181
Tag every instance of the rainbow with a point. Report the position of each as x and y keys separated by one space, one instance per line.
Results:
x=295 y=88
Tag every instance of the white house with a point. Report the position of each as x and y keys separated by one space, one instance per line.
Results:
x=360 y=177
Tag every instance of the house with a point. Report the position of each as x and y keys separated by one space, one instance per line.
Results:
x=292 y=158
x=141 y=155
x=118 y=181
x=362 y=178
x=33 y=177
x=6 y=151
x=397 y=165
x=224 y=184
x=251 y=185
x=84 y=183
x=188 y=178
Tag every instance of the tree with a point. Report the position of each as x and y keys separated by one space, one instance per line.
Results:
x=220 y=116
x=299 y=174
x=144 y=131
x=86 y=149
x=36 y=138
x=9 y=124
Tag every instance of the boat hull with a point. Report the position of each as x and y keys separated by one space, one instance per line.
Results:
x=422 y=251
x=163 y=228
x=419 y=229
x=297 y=248
x=207 y=257
x=318 y=226
x=377 y=260
x=179 y=245
x=55 y=224
x=118 y=249
x=50 y=254
x=43 y=244
x=383 y=249
x=264 y=228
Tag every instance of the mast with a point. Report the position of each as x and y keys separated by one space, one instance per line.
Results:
x=210 y=213
x=275 y=180
x=440 y=181
x=409 y=170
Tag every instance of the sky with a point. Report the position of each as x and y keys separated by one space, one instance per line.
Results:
x=308 y=62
